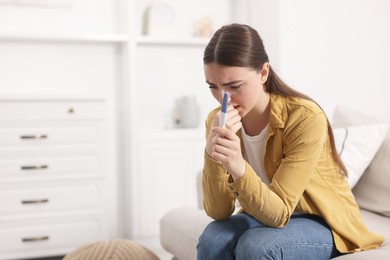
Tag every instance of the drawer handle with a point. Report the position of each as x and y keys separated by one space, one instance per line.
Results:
x=33 y=137
x=35 y=239
x=36 y=201
x=34 y=167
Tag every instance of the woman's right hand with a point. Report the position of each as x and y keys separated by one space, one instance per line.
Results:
x=233 y=123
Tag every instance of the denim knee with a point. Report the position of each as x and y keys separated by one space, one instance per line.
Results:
x=273 y=243
x=210 y=241
x=248 y=248
x=217 y=241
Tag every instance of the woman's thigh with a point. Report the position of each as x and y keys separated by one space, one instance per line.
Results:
x=305 y=237
x=219 y=238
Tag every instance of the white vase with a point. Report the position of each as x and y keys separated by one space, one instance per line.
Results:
x=186 y=112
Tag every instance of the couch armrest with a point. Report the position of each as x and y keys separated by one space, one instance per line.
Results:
x=180 y=229
x=199 y=193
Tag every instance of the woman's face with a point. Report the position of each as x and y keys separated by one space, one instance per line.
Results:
x=245 y=86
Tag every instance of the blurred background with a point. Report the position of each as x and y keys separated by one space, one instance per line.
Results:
x=142 y=60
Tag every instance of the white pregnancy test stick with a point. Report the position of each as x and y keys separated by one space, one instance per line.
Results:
x=223 y=116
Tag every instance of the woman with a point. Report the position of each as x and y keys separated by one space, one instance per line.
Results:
x=276 y=156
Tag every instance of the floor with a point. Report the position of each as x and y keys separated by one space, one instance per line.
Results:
x=153 y=244
x=162 y=254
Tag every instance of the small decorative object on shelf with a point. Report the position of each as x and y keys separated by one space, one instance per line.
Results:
x=203 y=27
x=186 y=113
x=159 y=20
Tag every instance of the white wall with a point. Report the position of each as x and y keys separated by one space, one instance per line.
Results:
x=263 y=15
x=337 y=52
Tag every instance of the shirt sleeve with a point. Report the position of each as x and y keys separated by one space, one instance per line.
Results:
x=218 y=198
x=273 y=205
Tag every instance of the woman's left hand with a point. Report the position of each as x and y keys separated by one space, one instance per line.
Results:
x=227 y=150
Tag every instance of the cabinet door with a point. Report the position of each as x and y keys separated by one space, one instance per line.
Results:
x=165 y=179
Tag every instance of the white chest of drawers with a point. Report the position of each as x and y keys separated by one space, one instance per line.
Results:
x=56 y=186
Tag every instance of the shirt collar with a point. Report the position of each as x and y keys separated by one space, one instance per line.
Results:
x=278 y=111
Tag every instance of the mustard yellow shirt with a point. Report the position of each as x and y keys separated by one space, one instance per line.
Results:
x=303 y=175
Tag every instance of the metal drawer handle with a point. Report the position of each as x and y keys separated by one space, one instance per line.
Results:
x=36 y=201
x=34 y=239
x=34 y=137
x=34 y=167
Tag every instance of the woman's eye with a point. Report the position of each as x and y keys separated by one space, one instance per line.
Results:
x=235 y=87
x=212 y=86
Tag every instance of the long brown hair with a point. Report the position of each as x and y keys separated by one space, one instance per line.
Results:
x=240 y=45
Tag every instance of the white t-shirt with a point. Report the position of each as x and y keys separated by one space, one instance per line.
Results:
x=254 y=152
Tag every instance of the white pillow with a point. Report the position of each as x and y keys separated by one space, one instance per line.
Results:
x=357 y=146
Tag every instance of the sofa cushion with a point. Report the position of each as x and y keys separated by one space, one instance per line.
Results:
x=373 y=189
x=357 y=146
x=180 y=229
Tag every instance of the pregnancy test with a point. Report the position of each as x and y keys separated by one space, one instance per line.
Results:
x=223 y=116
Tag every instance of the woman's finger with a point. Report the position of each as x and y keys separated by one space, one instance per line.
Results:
x=224 y=132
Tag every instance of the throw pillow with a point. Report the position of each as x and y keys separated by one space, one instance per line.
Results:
x=357 y=146
x=372 y=192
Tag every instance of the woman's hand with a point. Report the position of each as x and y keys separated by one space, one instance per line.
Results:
x=223 y=145
x=233 y=122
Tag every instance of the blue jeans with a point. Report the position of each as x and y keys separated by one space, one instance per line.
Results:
x=243 y=237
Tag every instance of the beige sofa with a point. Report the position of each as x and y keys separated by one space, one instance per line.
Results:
x=180 y=228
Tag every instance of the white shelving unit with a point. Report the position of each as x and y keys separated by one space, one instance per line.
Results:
x=88 y=51
x=165 y=160
x=56 y=178
x=58 y=125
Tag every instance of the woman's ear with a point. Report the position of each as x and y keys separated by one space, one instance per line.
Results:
x=264 y=72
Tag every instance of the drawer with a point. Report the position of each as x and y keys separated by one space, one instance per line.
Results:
x=41 y=200
x=48 y=166
x=49 y=135
x=47 y=110
x=39 y=237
